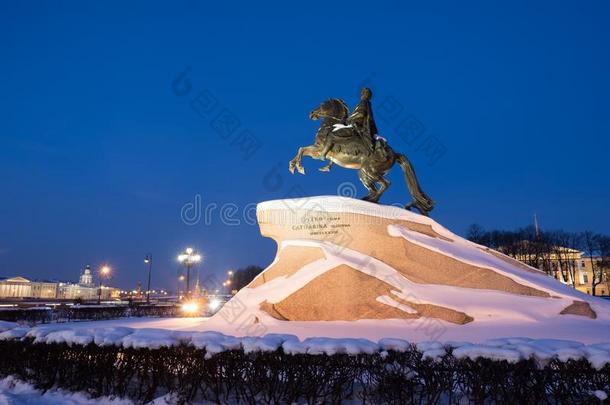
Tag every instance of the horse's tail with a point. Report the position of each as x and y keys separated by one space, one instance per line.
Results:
x=420 y=200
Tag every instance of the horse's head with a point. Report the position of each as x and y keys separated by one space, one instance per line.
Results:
x=333 y=108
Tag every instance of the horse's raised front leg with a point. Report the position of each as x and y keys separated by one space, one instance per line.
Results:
x=296 y=161
x=312 y=151
x=293 y=163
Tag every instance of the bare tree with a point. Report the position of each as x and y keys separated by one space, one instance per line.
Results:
x=554 y=252
x=546 y=254
x=591 y=249
x=475 y=233
x=603 y=262
x=564 y=246
x=242 y=277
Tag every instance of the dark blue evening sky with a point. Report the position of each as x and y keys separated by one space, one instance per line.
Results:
x=98 y=154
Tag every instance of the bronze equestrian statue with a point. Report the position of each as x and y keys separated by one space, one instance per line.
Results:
x=352 y=141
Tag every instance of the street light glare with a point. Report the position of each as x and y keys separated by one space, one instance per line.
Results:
x=189 y=256
x=214 y=304
x=190 y=307
x=105 y=270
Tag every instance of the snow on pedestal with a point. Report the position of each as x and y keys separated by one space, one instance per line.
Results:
x=349 y=268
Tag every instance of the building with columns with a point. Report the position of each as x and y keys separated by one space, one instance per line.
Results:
x=572 y=267
x=15 y=287
x=21 y=287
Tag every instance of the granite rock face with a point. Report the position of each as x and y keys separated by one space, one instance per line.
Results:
x=341 y=259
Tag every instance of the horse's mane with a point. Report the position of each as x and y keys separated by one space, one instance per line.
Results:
x=339 y=108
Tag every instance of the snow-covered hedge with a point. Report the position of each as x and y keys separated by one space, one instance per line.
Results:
x=144 y=364
x=512 y=350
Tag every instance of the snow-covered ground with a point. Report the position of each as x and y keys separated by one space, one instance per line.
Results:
x=17 y=392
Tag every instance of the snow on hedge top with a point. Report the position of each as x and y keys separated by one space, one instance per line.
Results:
x=509 y=349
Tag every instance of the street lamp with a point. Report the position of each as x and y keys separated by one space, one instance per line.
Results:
x=229 y=280
x=104 y=273
x=188 y=258
x=148 y=260
x=180 y=281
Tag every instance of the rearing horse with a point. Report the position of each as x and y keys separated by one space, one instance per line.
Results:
x=341 y=145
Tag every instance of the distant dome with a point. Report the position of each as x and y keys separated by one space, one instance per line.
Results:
x=86 y=277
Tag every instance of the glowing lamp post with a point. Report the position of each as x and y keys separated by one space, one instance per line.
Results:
x=104 y=273
x=148 y=260
x=229 y=281
x=189 y=258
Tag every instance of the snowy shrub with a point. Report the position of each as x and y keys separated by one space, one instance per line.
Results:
x=275 y=376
